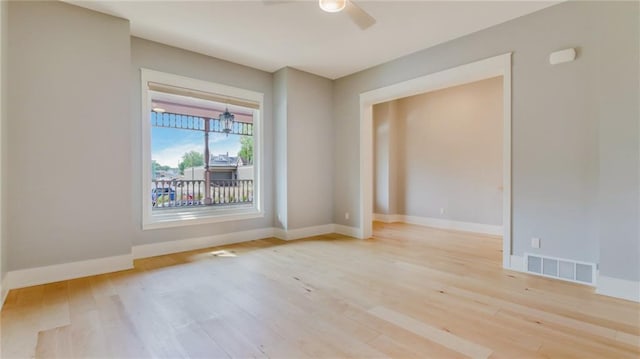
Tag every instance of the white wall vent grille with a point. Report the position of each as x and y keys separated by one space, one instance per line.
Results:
x=559 y=268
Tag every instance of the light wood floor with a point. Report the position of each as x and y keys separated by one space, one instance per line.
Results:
x=411 y=292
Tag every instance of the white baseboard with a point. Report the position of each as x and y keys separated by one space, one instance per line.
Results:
x=182 y=245
x=441 y=223
x=4 y=291
x=280 y=233
x=292 y=234
x=516 y=263
x=454 y=225
x=618 y=288
x=55 y=273
x=388 y=218
x=347 y=230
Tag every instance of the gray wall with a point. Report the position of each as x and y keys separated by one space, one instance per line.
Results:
x=304 y=116
x=4 y=26
x=618 y=142
x=62 y=122
x=155 y=56
x=280 y=146
x=309 y=150
x=75 y=108
x=383 y=121
x=561 y=120
x=447 y=152
x=68 y=109
x=386 y=157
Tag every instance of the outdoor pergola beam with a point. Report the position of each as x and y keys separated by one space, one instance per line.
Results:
x=196 y=123
x=207 y=175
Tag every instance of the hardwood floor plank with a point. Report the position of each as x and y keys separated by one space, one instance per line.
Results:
x=408 y=292
x=231 y=340
x=20 y=327
x=153 y=329
x=47 y=343
x=121 y=336
x=87 y=336
x=198 y=344
x=54 y=343
x=436 y=335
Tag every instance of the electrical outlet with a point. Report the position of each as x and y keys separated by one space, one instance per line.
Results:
x=535 y=242
x=441 y=210
x=346 y=215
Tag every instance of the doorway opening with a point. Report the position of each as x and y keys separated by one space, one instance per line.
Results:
x=496 y=67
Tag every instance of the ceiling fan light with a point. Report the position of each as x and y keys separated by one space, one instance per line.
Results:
x=332 y=5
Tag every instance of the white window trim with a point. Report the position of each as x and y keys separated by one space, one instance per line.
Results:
x=198 y=215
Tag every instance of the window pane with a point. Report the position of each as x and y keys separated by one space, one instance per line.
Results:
x=169 y=145
x=179 y=168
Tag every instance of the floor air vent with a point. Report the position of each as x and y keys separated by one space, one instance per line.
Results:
x=564 y=269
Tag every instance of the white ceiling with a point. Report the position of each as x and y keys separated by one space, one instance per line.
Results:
x=300 y=35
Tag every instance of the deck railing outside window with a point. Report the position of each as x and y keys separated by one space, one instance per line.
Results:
x=191 y=193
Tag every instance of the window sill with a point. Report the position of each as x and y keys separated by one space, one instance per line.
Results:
x=180 y=217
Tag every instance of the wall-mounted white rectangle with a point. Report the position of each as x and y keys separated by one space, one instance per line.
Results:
x=566 y=55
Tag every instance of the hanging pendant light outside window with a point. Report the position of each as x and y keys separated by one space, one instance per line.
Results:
x=226 y=119
x=332 y=5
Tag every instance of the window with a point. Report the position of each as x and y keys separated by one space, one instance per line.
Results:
x=201 y=151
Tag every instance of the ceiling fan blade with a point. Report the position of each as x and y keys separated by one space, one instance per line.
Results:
x=359 y=16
